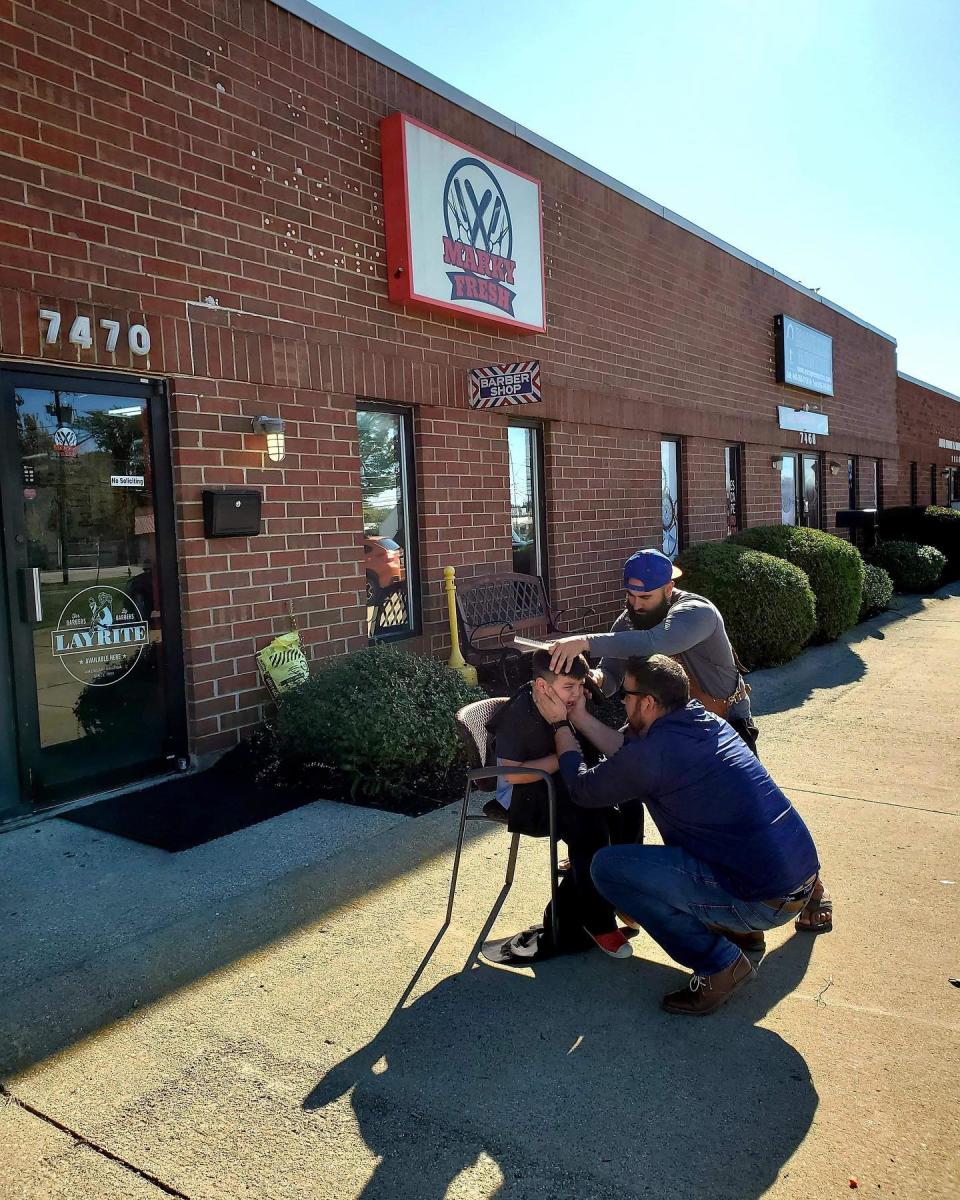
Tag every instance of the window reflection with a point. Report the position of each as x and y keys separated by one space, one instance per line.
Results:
x=385 y=491
x=670 y=496
x=524 y=448
x=788 y=490
x=89 y=521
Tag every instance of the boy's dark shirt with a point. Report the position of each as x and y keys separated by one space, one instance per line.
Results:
x=522 y=735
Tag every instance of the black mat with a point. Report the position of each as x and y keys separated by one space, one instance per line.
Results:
x=189 y=810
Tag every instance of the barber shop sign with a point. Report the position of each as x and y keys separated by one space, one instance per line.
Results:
x=464 y=232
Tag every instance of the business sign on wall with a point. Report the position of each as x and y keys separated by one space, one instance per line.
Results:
x=802 y=420
x=515 y=383
x=464 y=232
x=804 y=356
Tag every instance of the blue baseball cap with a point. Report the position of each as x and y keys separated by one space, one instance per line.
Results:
x=649 y=569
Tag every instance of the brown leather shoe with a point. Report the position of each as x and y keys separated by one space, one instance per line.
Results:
x=705 y=993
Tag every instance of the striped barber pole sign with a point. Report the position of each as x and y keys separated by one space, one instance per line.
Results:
x=515 y=383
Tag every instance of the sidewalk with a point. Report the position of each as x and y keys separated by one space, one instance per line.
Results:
x=295 y=1037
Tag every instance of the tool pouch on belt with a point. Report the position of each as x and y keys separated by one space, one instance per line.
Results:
x=714 y=704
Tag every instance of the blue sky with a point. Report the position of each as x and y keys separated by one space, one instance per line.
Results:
x=822 y=138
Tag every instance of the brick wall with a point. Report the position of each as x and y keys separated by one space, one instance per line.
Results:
x=924 y=417
x=212 y=169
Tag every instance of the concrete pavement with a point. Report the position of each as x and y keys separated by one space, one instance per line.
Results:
x=304 y=1035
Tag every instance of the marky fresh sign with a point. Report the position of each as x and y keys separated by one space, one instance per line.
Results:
x=464 y=232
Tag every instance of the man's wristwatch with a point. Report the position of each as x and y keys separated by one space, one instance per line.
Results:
x=564 y=724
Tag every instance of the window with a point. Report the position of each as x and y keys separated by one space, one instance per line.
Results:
x=670 y=500
x=788 y=489
x=389 y=520
x=733 y=477
x=853 y=489
x=914 y=487
x=527 y=523
x=878 y=483
x=933 y=483
x=953 y=488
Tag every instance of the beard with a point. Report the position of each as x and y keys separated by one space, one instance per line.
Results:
x=651 y=618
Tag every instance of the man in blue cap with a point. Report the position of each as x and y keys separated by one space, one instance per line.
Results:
x=659 y=618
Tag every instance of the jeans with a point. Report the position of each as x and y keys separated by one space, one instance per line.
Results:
x=675 y=897
x=747 y=728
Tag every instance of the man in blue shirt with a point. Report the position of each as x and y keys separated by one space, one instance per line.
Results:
x=737 y=858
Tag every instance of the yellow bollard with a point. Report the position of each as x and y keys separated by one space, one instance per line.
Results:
x=456 y=661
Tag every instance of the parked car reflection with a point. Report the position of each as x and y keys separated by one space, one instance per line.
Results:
x=522 y=553
x=383 y=561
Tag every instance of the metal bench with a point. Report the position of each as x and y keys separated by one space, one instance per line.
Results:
x=491 y=609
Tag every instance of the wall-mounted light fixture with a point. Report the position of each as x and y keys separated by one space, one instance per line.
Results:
x=834 y=467
x=776 y=462
x=946 y=472
x=272 y=429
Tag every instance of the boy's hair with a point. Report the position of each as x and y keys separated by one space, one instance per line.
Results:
x=662 y=678
x=541 y=667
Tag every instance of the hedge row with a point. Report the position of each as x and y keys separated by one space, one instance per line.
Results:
x=912 y=568
x=928 y=525
x=767 y=604
x=833 y=566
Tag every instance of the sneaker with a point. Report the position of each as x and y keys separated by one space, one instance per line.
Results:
x=493 y=810
x=613 y=944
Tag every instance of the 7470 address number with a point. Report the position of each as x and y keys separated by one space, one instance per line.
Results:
x=81 y=333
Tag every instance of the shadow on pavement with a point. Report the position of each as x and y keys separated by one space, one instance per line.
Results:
x=575 y=1083
x=132 y=938
x=833 y=665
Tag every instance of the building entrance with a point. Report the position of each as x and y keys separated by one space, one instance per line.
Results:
x=91 y=664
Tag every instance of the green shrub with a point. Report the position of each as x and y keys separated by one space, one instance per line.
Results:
x=913 y=568
x=877 y=590
x=833 y=567
x=928 y=525
x=381 y=719
x=766 y=603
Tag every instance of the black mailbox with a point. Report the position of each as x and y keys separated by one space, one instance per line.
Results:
x=231 y=514
x=862 y=523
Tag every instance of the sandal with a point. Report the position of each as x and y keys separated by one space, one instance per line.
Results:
x=820 y=913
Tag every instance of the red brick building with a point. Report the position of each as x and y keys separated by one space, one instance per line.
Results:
x=192 y=236
x=929 y=424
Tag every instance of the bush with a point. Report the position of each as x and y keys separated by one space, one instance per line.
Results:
x=833 y=567
x=913 y=568
x=767 y=604
x=928 y=525
x=381 y=719
x=877 y=590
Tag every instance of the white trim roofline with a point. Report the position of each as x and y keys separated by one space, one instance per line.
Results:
x=929 y=386
x=364 y=45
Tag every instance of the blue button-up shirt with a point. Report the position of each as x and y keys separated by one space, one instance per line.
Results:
x=708 y=794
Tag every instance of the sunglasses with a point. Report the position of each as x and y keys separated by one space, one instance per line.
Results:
x=622 y=691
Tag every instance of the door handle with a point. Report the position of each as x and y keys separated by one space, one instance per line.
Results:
x=33 y=599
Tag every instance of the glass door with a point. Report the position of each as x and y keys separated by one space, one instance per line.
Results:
x=810 y=491
x=90 y=575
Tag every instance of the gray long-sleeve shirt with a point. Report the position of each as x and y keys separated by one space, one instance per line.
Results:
x=692 y=631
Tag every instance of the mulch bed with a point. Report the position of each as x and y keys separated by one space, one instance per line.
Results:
x=233 y=794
